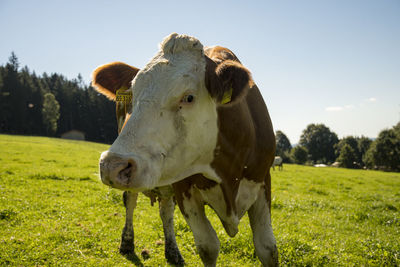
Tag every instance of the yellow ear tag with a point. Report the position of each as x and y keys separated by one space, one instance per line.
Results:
x=124 y=95
x=227 y=96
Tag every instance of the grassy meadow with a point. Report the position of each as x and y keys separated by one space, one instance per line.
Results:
x=55 y=211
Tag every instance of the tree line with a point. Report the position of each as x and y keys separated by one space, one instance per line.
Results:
x=50 y=105
x=319 y=145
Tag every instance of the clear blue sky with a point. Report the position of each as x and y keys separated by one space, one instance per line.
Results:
x=334 y=62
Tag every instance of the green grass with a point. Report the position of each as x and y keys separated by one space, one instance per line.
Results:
x=55 y=211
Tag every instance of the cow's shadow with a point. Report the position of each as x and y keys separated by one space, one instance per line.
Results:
x=132 y=257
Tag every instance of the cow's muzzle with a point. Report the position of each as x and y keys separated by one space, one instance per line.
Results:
x=117 y=170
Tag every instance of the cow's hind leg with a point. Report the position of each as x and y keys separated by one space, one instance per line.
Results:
x=172 y=253
x=263 y=237
x=127 y=239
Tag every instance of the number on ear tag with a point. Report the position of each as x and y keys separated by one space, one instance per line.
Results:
x=124 y=95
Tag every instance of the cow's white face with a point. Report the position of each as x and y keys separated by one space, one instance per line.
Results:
x=172 y=131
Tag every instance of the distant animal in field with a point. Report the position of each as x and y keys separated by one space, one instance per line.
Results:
x=278 y=161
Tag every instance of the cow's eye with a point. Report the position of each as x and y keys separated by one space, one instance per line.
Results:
x=188 y=99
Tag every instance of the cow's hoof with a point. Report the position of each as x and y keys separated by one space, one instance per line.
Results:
x=145 y=254
x=126 y=247
x=174 y=257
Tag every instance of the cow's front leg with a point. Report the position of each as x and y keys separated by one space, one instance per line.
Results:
x=206 y=239
x=172 y=253
x=263 y=237
x=127 y=239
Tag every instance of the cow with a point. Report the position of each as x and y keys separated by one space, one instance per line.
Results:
x=198 y=126
x=277 y=162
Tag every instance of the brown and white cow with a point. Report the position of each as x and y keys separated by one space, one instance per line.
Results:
x=199 y=124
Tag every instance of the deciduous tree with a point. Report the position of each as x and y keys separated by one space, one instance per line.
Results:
x=384 y=152
x=347 y=156
x=50 y=113
x=283 y=146
x=363 y=145
x=299 y=154
x=319 y=141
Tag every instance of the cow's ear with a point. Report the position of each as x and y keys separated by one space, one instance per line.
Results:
x=107 y=79
x=228 y=81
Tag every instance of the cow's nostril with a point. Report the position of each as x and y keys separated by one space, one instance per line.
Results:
x=127 y=170
x=130 y=164
x=126 y=174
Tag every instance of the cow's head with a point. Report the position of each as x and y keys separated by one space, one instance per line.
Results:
x=173 y=126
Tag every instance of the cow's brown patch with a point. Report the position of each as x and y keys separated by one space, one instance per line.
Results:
x=246 y=141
